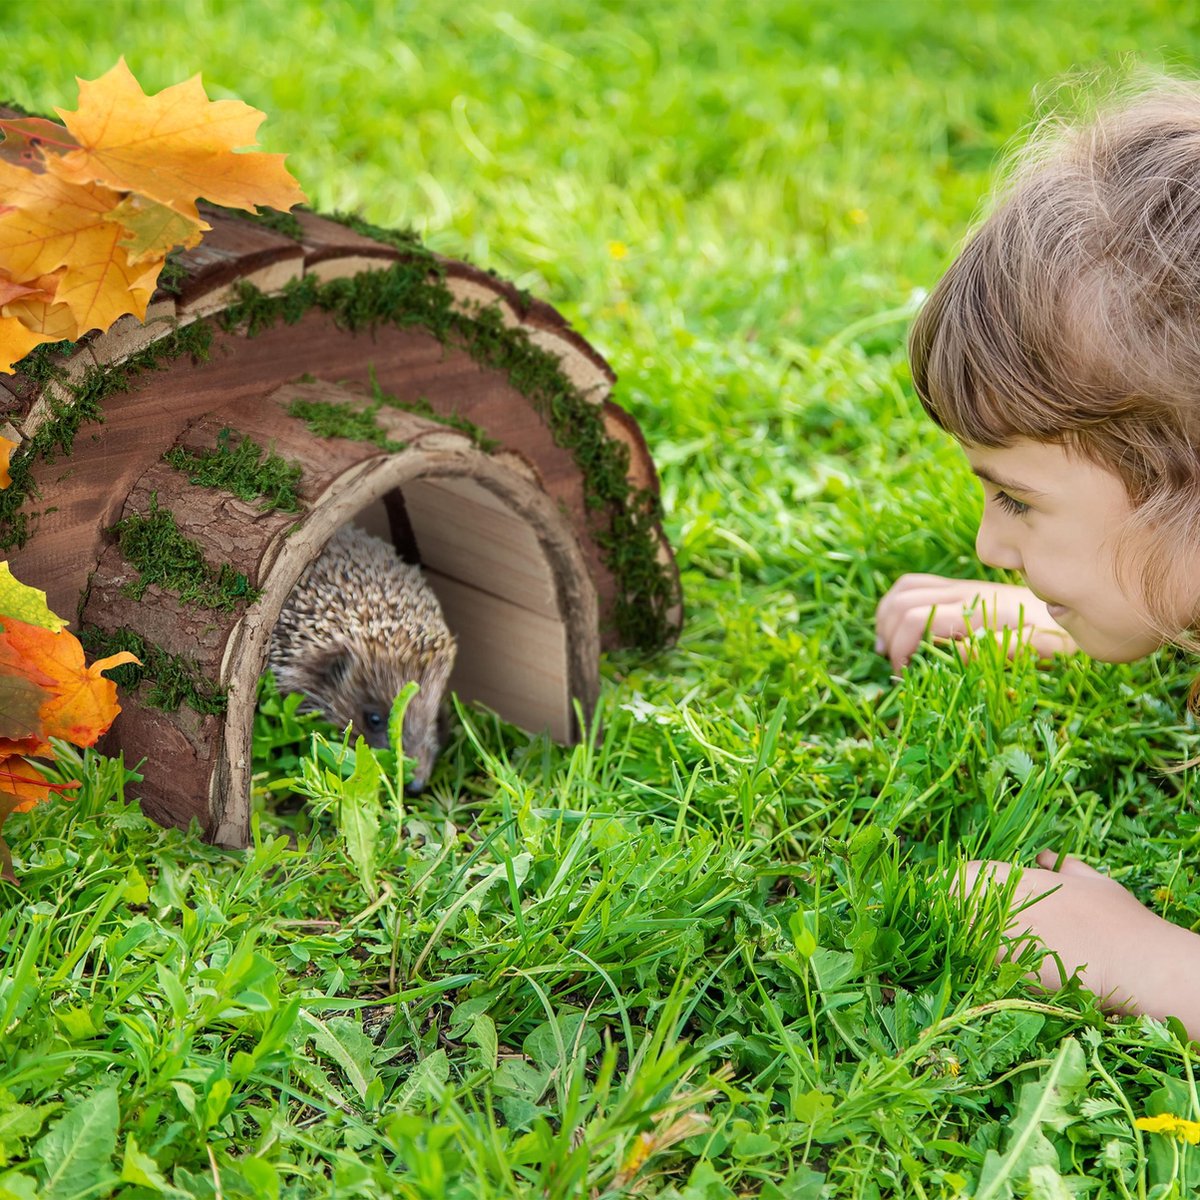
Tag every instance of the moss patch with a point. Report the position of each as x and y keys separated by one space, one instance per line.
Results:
x=328 y=418
x=81 y=402
x=153 y=544
x=244 y=468
x=406 y=240
x=422 y=408
x=171 y=679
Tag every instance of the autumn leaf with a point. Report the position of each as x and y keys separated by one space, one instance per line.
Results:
x=25 y=603
x=81 y=704
x=20 y=708
x=10 y=291
x=26 y=140
x=58 y=224
x=171 y=147
x=6 y=449
x=15 y=342
x=54 y=322
x=152 y=229
x=21 y=780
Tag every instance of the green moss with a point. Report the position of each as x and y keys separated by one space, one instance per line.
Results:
x=423 y=408
x=276 y=221
x=327 y=418
x=173 y=274
x=81 y=404
x=171 y=679
x=244 y=468
x=153 y=544
x=401 y=239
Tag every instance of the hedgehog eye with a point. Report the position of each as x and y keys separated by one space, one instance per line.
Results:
x=373 y=718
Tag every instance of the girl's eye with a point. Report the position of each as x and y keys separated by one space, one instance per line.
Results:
x=1010 y=505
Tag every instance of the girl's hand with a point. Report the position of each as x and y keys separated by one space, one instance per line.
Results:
x=959 y=608
x=1133 y=959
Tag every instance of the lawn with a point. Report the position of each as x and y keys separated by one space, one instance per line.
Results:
x=713 y=951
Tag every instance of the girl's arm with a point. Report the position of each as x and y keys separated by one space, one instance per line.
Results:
x=1133 y=959
x=957 y=609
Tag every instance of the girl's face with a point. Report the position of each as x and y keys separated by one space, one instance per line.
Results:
x=1055 y=516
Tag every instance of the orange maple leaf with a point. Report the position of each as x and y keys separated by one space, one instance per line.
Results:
x=21 y=782
x=171 y=147
x=10 y=291
x=80 y=704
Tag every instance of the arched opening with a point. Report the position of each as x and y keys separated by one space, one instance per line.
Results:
x=503 y=561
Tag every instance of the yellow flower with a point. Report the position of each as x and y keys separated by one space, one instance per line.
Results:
x=618 y=250
x=858 y=216
x=1185 y=1131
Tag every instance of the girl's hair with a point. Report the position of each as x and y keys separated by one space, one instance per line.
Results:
x=1073 y=316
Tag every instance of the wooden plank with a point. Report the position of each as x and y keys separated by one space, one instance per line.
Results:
x=129 y=335
x=179 y=749
x=332 y=250
x=511 y=659
x=593 y=381
x=233 y=252
x=468 y=533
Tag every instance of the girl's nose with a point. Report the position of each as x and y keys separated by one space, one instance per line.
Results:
x=993 y=547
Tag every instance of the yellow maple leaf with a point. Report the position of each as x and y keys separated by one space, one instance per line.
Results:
x=172 y=146
x=7 y=446
x=59 y=224
x=53 y=322
x=16 y=341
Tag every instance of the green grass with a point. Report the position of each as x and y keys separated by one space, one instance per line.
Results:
x=713 y=951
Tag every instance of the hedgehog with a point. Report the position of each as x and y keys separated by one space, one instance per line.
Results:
x=358 y=626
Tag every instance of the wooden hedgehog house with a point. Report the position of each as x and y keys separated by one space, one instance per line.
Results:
x=176 y=476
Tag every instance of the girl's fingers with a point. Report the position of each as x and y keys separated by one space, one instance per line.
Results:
x=1070 y=865
x=901 y=623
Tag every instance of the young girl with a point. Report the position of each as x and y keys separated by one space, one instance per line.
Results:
x=1062 y=351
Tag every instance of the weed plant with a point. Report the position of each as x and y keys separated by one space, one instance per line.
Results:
x=721 y=947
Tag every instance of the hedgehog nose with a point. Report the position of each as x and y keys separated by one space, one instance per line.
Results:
x=414 y=787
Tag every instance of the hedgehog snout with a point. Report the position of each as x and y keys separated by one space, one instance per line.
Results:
x=422 y=745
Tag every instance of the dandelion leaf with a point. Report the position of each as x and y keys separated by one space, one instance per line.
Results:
x=1050 y=1103
x=78 y=1148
